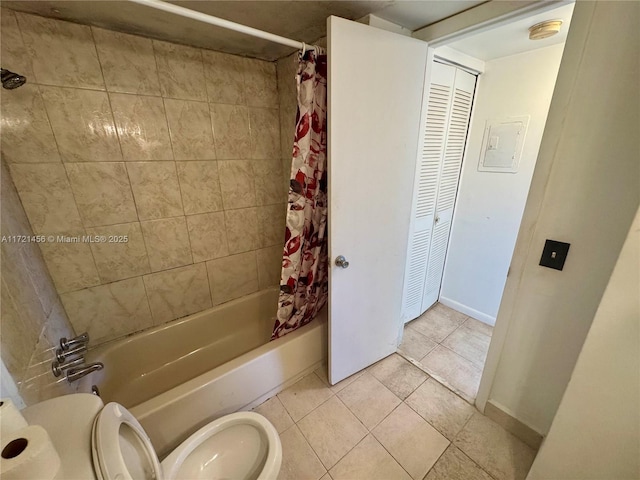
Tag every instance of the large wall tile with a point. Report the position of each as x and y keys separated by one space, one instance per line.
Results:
x=237 y=184
x=63 y=53
x=182 y=73
x=242 y=229
x=268 y=182
x=224 y=75
x=12 y=50
x=13 y=218
x=156 y=189
x=178 y=292
x=46 y=196
x=287 y=131
x=231 y=131
x=191 y=130
x=200 y=186
x=232 y=277
x=22 y=288
x=102 y=193
x=271 y=223
x=83 y=124
x=109 y=311
x=265 y=133
x=70 y=263
x=208 y=236
x=167 y=241
x=17 y=341
x=122 y=255
x=128 y=62
x=261 y=83
x=29 y=281
x=142 y=127
x=26 y=132
x=269 y=266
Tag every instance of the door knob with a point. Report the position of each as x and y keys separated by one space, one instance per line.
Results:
x=342 y=262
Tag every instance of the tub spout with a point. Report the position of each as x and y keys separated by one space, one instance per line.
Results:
x=74 y=374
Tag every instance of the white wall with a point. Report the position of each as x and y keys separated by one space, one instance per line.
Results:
x=596 y=432
x=584 y=191
x=490 y=205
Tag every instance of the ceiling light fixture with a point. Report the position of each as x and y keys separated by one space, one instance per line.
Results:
x=544 y=29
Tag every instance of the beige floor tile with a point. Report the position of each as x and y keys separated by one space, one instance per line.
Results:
x=398 y=375
x=440 y=407
x=414 y=443
x=455 y=465
x=299 y=462
x=435 y=325
x=368 y=461
x=303 y=396
x=322 y=374
x=332 y=430
x=462 y=375
x=326 y=476
x=478 y=326
x=493 y=448
x=469 y=343
x=369 y=400
x=449 y=312
x=274 y=411
x=414 y=344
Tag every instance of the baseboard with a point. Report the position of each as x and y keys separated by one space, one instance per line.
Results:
x=471 y=312
x=512 y=425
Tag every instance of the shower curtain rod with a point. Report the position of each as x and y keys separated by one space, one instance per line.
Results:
x=220 y=22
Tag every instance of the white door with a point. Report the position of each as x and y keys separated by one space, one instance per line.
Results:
x=436 y=109
x=447 y=105
x=376 y=80
x=457 y=128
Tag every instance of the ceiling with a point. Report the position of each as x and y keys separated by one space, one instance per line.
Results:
x=513 y=37
x=302 y=20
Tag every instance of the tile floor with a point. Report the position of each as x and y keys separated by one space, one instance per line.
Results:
x=390 y=421
x=450 y=347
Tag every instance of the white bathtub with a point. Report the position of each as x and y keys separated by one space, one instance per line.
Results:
x=177 y=377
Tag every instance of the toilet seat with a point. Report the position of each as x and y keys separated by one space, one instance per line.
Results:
x=120 y=447
x=240 y=445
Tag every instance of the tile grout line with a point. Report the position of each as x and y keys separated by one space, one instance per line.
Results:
x=382 y=444
x=421 y=367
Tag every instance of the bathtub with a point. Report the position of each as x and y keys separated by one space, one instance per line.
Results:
x=179 y=376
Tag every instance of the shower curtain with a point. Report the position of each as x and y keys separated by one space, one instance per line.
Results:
x=303 y=282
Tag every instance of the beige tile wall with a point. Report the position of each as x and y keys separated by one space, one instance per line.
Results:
x=32 y=318
x=174 y=147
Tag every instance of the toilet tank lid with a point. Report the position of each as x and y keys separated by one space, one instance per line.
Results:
x=63 y=409
x=68 y=420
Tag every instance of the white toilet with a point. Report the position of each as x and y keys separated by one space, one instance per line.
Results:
x=105 y=442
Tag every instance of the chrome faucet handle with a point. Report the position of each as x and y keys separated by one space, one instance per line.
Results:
x=57 y=368
x=61 y=355
x=74 y=374
x=67 y=344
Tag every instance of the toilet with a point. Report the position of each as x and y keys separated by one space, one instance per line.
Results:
x=106 y=442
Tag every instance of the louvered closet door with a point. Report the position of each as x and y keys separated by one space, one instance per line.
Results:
x=457 y=128
x=437 y=100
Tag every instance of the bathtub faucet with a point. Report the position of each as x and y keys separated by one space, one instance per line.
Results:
x=68 y=344
x=76 y=373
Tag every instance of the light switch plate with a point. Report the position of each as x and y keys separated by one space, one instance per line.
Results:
x=554 y=254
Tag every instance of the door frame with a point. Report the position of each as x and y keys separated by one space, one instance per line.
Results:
x=440 y=34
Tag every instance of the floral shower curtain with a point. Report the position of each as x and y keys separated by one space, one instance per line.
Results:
x=303 y=283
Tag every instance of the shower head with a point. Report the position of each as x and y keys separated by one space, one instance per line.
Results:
x=11 y=80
